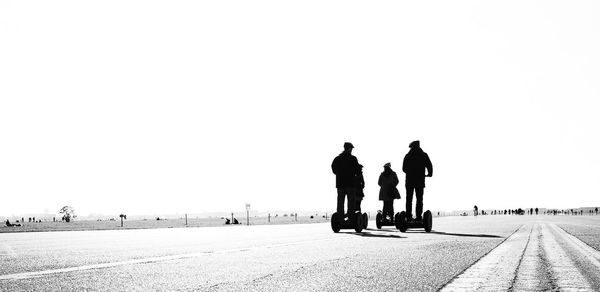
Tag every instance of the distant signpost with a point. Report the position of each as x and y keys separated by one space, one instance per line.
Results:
x=247 y=214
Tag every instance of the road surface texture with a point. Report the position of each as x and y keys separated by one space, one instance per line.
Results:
x=487 y=253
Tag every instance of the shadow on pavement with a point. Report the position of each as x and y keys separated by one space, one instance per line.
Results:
x=464 y=235
x=384 y=230
x=369 y=234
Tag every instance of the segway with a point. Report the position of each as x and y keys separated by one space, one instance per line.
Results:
x=365 y=220
x=402 y=222
x=381 y=220
x=349 y=222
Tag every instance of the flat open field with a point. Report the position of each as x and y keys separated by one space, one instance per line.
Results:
x=80 y=225
x=487 y=253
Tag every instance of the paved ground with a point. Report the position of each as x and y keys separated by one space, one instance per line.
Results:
x=486 y=253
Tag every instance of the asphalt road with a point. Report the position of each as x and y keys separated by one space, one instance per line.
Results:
x=495 y=253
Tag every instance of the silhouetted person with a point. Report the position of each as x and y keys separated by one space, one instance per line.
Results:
x=596 y=211
x=415 y=163
x=388 y=180
x=345 y=167
x=227 y=221
x=359 y=183
x=235 y=221
x=536 y=211
x=8 y=223
x=475 y=210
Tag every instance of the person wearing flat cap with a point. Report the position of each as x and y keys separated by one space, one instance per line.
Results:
x=346 y=169
x=388 y=180
x=415 y=163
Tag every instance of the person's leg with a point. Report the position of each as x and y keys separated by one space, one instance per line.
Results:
x=419 y=193
x=386 y=208
x=358 y=201
x=351 y=192
x=340 y=201
x=409 y=197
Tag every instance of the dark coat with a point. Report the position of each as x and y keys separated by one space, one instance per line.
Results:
x=414 y=165
x=388 y=180
x=359 y=183
x=345 y=167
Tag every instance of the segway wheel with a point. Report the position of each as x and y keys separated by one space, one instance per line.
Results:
x=335 y=222
x=427 y=221
x=402 y=222
x=358 y=222
x=365 y=220
x=378 y=220
x=397 y=220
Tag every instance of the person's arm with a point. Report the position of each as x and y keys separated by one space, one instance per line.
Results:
x=428 y=166
x=404 y=165
x=379 y=181
x=334 y=165
x=396 y=180
x=362 y=180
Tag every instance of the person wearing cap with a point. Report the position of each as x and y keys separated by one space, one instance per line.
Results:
x=346 y=168
x=388 y=180
x=415 y=163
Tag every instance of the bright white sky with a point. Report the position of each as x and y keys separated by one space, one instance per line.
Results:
x=191 y=106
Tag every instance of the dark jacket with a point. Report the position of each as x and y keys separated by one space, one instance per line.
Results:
x=359 y=183
x=388 y=180
x=345 y=167
x=414 y=165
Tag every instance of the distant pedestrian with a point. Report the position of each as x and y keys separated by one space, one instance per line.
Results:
x=536 y=211
x=475 y=211
x=596 y=211
x=345 y=167
x=416 y=163
x=388 y=180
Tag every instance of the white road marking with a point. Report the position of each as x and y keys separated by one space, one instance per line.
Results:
x=590 y=253
x=27 y=275
x=496 y=270
x=566 y=275
x=533 y=262
x=529 y=272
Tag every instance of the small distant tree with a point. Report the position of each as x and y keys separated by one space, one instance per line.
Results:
x=68 y=213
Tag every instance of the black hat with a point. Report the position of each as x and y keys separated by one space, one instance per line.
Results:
x=414 y=144
x=348 y=145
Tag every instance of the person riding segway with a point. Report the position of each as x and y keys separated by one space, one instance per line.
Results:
x=346 y=169
x=416 y=162
x=359 y=182
x=388 y=180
